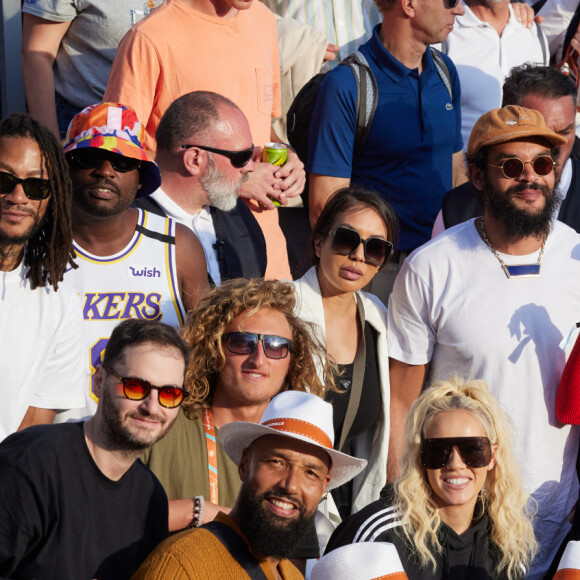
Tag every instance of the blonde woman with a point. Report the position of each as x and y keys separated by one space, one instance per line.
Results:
x=458 y=509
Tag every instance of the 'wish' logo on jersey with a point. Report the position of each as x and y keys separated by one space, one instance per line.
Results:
x=144 y=272
x=121 y=305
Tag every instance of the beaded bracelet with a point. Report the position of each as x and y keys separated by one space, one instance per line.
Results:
x=198 y=505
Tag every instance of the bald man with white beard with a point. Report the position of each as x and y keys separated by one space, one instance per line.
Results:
x=204 y=152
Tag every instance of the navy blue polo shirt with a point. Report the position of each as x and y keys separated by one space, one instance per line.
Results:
x=407 y=157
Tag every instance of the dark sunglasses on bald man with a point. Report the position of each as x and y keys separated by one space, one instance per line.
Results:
x=238 y=159
x=246 y=343
x=93 y=157
x=138 y=389
x=513 y=167
x=34 y=187
x=475 y=451
x=346 y=240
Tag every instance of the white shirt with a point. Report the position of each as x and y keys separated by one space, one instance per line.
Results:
x=201 y=224
x=41 y=355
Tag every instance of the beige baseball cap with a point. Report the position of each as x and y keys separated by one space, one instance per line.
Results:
x=507 y=124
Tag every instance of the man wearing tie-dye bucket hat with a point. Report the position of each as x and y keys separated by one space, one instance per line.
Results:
x=132 y=264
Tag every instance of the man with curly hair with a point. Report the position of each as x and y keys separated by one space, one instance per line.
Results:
x=41 y=328
x=247 y=346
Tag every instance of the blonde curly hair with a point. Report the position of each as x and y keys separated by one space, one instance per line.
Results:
x=504 y=501
x=207 y=323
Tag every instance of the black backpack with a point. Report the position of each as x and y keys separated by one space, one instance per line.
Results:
x=300 y=112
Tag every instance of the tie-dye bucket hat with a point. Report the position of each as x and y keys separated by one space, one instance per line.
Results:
x=116 y=128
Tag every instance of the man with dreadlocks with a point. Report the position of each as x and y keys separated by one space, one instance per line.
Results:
x=40 y=341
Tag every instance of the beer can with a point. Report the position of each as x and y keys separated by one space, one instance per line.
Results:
x=275 y=153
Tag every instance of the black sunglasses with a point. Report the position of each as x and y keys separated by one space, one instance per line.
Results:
x=34 y=187
x=346 y=240
x=93 y=157
x=475 y=451
x=246 y=342
x=450 y=3
x=138 y=389
x=514 y=166
x=238 y=158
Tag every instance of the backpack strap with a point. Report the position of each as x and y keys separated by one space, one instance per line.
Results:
x=237 y=548
x=442 y=70
x=367 y=97
x=542 y=40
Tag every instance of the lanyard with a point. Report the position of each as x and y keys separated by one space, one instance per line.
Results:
x=212 y=467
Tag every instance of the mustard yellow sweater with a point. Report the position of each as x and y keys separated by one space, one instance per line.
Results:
x=198 y=555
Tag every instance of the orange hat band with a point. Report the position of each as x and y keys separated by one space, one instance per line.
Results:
x=567 y=574
x=312 y=432
x=393 y=576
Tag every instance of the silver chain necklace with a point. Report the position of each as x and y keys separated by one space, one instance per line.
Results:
x=515 y=270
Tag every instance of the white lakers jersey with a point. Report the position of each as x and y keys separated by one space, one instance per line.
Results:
x=140 y=281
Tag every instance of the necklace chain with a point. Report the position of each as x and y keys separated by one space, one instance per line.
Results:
x=496 y=254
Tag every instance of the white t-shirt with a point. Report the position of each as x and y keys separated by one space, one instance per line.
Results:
x=452 y=306
x=41 y=356
x=484 y=58
x=201 y=224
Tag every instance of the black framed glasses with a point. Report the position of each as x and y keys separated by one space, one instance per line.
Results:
x=246 y=342
x=93 y=157
x=238 y=159
x=346 y=240
x=513 y=167
x=34 y=187
x=137 y=389
x=475 y=451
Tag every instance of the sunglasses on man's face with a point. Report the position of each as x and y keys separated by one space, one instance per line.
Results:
x=246 y=342
x=238 y=159
x=34 y=187
x=450 y=3
x=513 y=167
x=93 y=157
x=138 y=389
x=346 y=240
x=475 y=451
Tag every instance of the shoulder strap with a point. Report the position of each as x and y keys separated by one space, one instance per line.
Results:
x=542 y=40
x=572 y=28
x=237 y=548
x=358 y=374
x=442 y=70
x=367 y=97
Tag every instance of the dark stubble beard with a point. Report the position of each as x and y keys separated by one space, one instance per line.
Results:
x=269 y=535
x=119 y=438
x=519 y=223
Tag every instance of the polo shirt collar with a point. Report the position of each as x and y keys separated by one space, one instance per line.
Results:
x=396 y=70
x=470 y=20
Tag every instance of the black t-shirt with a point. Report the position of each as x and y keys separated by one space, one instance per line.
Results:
x=61 y=518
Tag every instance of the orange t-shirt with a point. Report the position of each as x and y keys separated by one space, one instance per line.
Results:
x=177 y=50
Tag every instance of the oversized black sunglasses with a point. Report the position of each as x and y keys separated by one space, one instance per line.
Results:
x=246 y=342
x=346 y=240
x=513 y=167
x=34 y=187
x=137 y=389
x=93 y=157
x=238 y=158
x=450 y=3
x=475 y=451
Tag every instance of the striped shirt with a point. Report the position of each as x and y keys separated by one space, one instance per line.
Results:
x=346 y=23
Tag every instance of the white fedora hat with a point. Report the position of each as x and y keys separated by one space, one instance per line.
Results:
x=569 y=566
x=300 y=416
x=363 y=561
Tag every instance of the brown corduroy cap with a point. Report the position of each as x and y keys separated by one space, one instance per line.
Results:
x=509 y=123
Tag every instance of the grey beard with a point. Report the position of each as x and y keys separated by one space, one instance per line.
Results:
x=221 y=193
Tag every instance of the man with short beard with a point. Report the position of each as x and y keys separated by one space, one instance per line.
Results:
x=132 y=264
x=204 y=152
x=41 y=326
x=493 y=298
x=75 y=500
x=286 y=463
